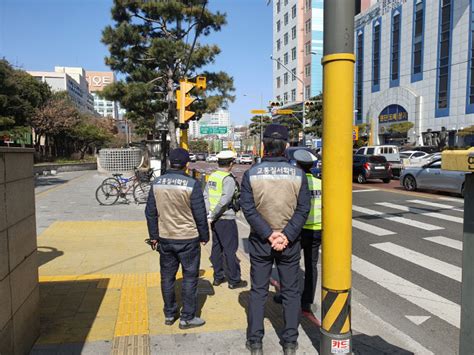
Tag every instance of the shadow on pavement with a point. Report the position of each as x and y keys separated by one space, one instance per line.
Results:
x=48 y=181
x=68 y=311
x=46 y=254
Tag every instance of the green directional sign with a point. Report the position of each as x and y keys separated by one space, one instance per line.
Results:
x=213 y=130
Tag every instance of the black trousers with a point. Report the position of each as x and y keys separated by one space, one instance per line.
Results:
x=262 y=258
x=310 y=243
x=171 y=256
x=225 y=242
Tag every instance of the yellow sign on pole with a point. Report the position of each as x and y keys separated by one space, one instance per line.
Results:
x=284 y=112
x=258 y=112
x=355 y=133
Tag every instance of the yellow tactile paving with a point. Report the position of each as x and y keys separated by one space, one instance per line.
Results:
x=104 y=283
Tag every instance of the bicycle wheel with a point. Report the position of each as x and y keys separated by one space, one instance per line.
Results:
x=140 y=192
x=112 y=181
x=107 y=194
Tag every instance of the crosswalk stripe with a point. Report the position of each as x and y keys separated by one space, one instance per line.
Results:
x=453 y=199
x=422 y=212
x=433 y=264
x=366 y=190
x=425 y=299
x=438 y=205
x=371 y=229
x=448 y=242
x=402 y=220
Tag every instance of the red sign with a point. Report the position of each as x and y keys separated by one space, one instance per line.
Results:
x=340 y=346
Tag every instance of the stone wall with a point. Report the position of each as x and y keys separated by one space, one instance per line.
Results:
x=19 y=290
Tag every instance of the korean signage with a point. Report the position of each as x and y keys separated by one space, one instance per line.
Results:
x=393 y=114
x=213 y=130
x=99 y=79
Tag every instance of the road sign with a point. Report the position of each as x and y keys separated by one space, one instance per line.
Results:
x=213 y=130
x=355 y=133
x=284 y=112
x=258 y=112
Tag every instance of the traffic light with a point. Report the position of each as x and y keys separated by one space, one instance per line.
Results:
x=183 y=100
x=276 y=103
x=309 y=104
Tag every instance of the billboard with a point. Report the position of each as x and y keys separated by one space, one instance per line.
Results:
x=99 y=79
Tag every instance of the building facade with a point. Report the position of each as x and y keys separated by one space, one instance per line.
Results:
x=220 y=118
x=414 y=63
x=71 y=80
x=97 y=81
x=297 y=49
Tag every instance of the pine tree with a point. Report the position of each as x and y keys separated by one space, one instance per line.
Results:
x=154 y=44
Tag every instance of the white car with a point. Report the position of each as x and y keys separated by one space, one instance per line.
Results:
x=421 y=160
x=412 y=154
x=192 y=157
x=212 y=158
x=245 y=159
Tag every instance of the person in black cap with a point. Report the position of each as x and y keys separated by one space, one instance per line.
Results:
x=177 y=222
x=275 y=200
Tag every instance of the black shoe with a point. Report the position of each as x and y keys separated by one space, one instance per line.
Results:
x=278 y=298
x=255 y=347
x=218 y=282
x=290 y=348
x=170 y=320
x=240 y=284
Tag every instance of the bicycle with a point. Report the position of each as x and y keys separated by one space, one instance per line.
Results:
x=113 y=188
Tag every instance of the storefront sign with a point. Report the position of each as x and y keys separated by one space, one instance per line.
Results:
x=98 y=80
x=393 y=114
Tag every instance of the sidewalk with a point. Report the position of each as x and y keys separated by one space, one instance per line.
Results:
x=100 y=288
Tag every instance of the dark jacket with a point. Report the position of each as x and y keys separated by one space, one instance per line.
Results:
x=275 y=197
x=175 y=210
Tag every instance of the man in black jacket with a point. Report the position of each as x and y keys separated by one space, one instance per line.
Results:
x=275 y=200
x=177 y=222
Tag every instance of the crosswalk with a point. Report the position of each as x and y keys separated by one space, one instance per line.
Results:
x=413 y=235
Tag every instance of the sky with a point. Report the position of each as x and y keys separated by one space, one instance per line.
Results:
x=42 y=34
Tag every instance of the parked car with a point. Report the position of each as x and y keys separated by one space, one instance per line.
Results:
x=192 y=157
x=245 y=159
x=431 y=177
x=412 y=154
x=430 y=149
x=201 y=156
x=423 y=160
x=369 y=167
x=237 y=159
x=315 y=170
x=390 y=152
x=212 y=158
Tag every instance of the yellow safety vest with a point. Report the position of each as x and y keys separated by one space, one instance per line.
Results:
x=314 y=221
x=215 y=185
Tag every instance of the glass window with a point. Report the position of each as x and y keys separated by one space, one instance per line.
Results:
x=308 y=5
x=376 y=36
x=293 y=95
x=293 y=53
x=278 y=44
x=444 y=52
x=435 y=165
x=470 y=85
x=286 y=2
x=307 y=93
x=417 y=67
x=285 y=19
x=278 y=97
x=307 y=26
x=307 y=70
x=278 y=82
x=285 y=59
x=293 y=76
x=395 y=55
x=278 y=64
x=285 y=39
x=359 y=75
x=278 y=24
x=285 y=78
x=370 y=151
x=285 y=97
x=293 y=11
x=293 y=32
x=278 y=6
x=307 y=48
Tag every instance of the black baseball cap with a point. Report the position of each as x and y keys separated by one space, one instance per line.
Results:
x=179 y=156
x=276 y=131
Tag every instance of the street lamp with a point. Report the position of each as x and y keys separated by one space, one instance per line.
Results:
x=302 y=82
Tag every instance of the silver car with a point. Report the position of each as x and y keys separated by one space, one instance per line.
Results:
x=432 y=177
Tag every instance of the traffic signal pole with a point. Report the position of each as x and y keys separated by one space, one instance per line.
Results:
x=338 y=91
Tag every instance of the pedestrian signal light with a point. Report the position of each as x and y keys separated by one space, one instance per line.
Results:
x=201 y=82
